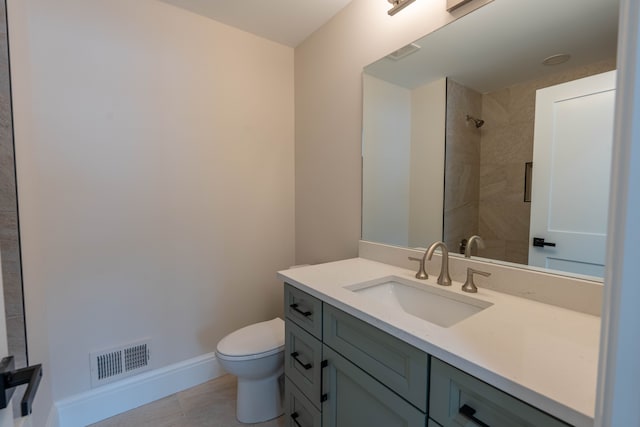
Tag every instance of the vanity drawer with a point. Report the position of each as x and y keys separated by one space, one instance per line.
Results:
x=302 y=361
x=456 y=398
x=299 y=412
x=396 y=364
x=303 y=309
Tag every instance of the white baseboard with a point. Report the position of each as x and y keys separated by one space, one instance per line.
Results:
x=116 y=398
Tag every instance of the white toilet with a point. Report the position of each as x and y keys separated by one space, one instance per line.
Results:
x=255 y=354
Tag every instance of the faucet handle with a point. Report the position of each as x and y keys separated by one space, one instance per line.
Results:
x=422 y=273
x=469 y=286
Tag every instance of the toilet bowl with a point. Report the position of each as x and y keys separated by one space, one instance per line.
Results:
x=255 y=354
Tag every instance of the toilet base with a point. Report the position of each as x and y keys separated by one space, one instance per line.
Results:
x=259 y=400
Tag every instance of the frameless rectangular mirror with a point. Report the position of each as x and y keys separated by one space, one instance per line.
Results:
x=498 y=124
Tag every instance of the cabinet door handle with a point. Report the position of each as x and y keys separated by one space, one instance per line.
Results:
x=295 y=417
x=323 y=396
x=468 y=412
x=306 y=366
x=294 y=306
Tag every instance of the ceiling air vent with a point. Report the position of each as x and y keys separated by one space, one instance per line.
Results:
x=404 y=51
x=121 y=362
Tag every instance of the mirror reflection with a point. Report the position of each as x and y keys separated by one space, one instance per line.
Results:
x=469 y=131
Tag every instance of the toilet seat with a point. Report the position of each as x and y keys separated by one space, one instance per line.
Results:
x=253 y=342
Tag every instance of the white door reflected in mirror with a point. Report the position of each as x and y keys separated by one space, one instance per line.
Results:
x=571 y=174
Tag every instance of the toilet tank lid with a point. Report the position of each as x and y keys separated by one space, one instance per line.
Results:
x=254 y=339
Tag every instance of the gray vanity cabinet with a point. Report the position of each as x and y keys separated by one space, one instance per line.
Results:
x=458 y=399
x=343 y=372
x=355 y=399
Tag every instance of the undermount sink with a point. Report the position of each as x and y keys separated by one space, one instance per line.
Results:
x=439 y=306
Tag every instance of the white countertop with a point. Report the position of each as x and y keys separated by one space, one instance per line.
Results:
x=544 y=355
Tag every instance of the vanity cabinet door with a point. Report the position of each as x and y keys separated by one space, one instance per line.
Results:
x=299 y=412
x=398 y=365
x=458 y=399
x=304 y=310
x=302 y=361
x=354 y=399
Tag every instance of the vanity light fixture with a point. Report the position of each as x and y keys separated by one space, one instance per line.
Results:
x=454 y=4
x=398 y=5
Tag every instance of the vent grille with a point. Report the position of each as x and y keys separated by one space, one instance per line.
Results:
x=403 y=51
x=136 y=357
x=109 y=364
x=117 y=363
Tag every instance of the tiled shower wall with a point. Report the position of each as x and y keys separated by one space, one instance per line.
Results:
x=9 y=241
x=507 y=144
x=462 y=165
x=504 y=144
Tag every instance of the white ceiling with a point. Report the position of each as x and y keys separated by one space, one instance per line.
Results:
x=288 y=22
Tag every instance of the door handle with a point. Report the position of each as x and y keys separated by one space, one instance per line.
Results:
x=10 y=378
x=540 y=243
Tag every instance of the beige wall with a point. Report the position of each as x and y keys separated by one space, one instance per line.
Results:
x=428 y=114
x=328 y=93
x=386 y=149
x=155 y=171
x=402 y=162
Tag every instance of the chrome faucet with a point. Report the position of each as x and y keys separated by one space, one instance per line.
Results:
x=469 y=286
x=443 y=279
x=473 y=239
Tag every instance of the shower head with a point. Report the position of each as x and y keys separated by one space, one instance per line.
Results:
x=477 y=122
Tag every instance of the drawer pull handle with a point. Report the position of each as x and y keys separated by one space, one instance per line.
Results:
x=306 y=366
x=295 y=417
x=304 y=313
x=468 y=412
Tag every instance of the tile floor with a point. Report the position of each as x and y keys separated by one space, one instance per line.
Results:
x=211 y=404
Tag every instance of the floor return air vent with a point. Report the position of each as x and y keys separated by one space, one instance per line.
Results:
x=120 y=362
